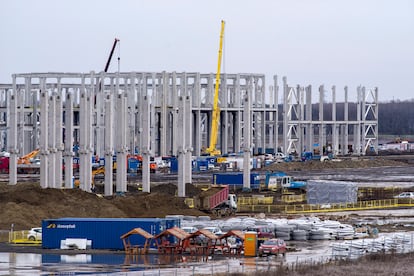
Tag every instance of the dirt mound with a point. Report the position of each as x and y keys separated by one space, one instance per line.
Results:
x=26 y=204
x=171 y=189
x=333 y=164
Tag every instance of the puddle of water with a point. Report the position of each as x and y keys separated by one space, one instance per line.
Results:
x=103 y=264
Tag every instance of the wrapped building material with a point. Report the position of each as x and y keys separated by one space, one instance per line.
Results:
x=326 y=191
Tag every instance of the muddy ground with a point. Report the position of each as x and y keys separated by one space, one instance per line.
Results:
x=337 y=164
x=26 y=204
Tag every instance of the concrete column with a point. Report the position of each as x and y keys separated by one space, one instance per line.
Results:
x=197 y=116
x=108 y=145
x=188 y=140
x=85 y=163
x=357 y=130
x=121 y=150
x=146 y=185
x=276 y=116
x=308 y=116
x=68 y=145
x=44 y=153
x=155 y=95
x=346 y=130
x=247 y=140
x=181 y=147
x=335 y=129
x=52 y=141
x=58 y=136
x=322 y=132
x=237 y=119
x=98 y=103
x=285 y=116
x=163 y=115
x=301 y=118
x=132 y=113
x=174 y=145
x=90 y=121
x=21 y=136
x=197 y=131
x=12 y=136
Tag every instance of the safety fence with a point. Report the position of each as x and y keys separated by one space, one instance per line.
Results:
x=333 y=207
x=21 y=237
x=255 y=200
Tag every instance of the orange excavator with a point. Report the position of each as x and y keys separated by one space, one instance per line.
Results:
x=28 y=158
x=28 y=163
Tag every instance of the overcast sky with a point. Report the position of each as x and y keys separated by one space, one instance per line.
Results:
x=330 y=42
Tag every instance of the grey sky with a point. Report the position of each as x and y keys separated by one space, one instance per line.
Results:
x=353 y=42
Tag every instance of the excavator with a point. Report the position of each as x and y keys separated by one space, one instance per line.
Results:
x=99 y=170
x=212 y=150
x=28 y=158
x=28 y=164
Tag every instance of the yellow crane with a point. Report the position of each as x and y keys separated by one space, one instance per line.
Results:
x=212 y=150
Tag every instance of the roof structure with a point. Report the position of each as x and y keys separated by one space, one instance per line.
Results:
x=175 y=231
x=138 y=231
x=205 y=232
x=236 y=233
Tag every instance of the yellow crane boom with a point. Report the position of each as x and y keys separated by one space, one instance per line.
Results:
x=216 y=110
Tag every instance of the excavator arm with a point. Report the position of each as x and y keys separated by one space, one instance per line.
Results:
x=212 y=150
x=26 y=159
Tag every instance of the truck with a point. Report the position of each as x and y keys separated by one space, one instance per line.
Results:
x=280 y=180
x=216 y=200
x=308 y=156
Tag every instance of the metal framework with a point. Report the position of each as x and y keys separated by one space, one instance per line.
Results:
x=167 y=113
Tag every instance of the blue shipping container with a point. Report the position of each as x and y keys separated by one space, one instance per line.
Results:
x=173 y=165
x=133 y=165
x=235 y=180
x=104 y=233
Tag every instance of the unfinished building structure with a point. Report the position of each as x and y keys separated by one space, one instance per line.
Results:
x=164 y=113
x=328 y=132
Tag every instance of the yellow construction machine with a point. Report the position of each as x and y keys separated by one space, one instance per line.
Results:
x=212 y=150
x=99 y=170
x=28 y=164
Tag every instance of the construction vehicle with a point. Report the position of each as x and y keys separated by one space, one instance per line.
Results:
x=212 y=150
x=99 y=170
x=28 y=158
x=216 y=200
x=29 y=163
x=281 y=181
x=309 y=156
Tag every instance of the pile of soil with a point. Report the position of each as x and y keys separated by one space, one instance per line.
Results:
x=333 y=164
x=26 y=204
x=171 y=189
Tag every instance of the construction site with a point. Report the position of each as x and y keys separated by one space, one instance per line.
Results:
x=181 y=128
x=185 y=149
